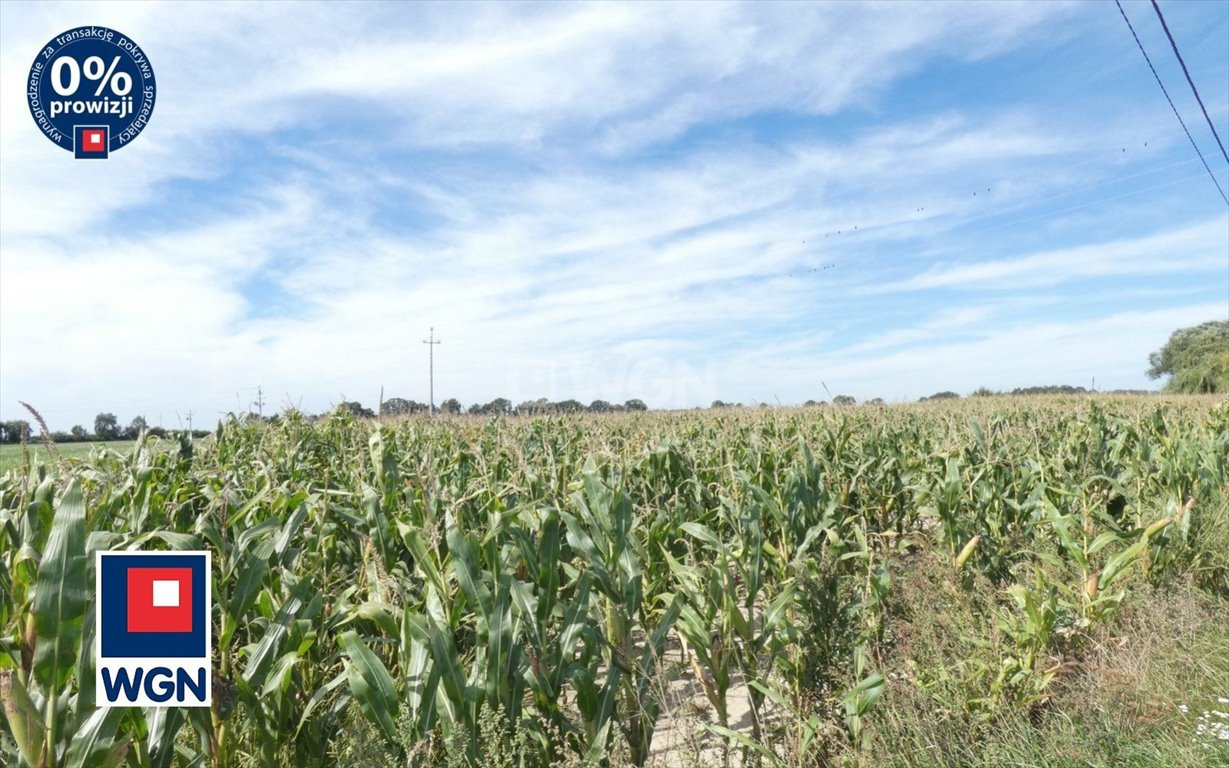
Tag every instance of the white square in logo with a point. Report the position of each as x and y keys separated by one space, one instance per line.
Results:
x=166 y=594
x=95 y=138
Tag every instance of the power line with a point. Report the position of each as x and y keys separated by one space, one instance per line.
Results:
x=1171 y=102
x=1186 y=72
x=1173 y=44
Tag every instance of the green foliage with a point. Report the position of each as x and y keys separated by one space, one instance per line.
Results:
x=500 y=406
x=1196 y=359
x=15 y=431
x=106 y=426
x=479 y=592
x=1050 y=389
x=355 y=408
x=399 y=406
x=134 y=430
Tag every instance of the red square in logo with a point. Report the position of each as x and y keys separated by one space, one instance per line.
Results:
x=93 y=140
x=159 y=599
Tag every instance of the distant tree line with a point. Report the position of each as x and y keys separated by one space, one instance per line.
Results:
x=1195 y=359
x=106 y=427
x=543 y=406
x=1052 y=389
x=500 y=406
x=843 y=401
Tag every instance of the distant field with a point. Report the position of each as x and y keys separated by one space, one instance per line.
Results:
x=11 y=455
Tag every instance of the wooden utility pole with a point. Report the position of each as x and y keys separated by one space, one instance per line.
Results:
x=431 y=342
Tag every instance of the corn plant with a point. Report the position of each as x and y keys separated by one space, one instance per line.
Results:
x=452 y=583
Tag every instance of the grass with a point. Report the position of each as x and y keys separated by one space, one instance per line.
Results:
x=12 y=456
x=1118 y=699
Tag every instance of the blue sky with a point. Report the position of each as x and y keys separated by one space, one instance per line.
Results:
x=680 y=202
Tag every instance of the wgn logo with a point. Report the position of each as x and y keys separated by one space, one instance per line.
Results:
x=153 y=629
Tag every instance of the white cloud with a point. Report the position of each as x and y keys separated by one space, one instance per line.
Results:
x=491 y=76
x=1202 y=247
x=563 y=249
x=1112 y=349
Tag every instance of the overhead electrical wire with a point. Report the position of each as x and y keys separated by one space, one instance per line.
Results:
x=1211 y=175
x=1186 y=72
x=1173 y=44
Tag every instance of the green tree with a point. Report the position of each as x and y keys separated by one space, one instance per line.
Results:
x=106 y=426
x=1050 y=389
x=1195 y=359
x=451 y=405
x=535 y=407
x=14 y=431
x=356 y=408
x=500 y=406
x=79 y=432
x=133 y=430
x=635 y=404
x=599 y=406
x=399 y=406
x=845 y=400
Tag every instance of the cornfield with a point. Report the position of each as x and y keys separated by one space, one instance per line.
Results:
x=524 y=591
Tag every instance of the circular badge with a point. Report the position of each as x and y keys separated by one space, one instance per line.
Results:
x=91 y=91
